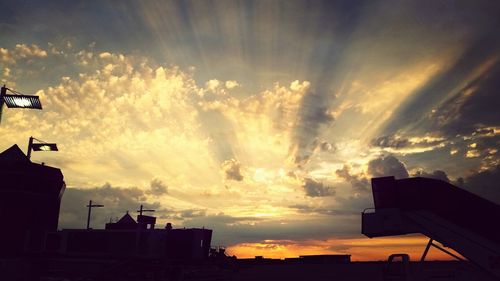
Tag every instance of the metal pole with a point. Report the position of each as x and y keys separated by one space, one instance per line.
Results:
x=88 y=217
x=426 y=250
x=448 y=252
x=3 y=92
x=30 y=144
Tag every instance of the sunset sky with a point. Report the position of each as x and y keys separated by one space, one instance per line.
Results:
x=262 y=120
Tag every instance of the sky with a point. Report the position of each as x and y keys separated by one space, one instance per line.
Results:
x=262 y=120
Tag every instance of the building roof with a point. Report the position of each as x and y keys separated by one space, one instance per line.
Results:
x=19 y=173
x=125 y=223
x=126 y=220
x=14 y=154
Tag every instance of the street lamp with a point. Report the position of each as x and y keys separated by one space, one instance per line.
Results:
x=41 y=146
x=18 y=100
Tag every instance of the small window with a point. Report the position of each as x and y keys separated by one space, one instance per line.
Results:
x=201 y=243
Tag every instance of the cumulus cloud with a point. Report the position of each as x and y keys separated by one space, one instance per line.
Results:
x=6 y=56
x=359 y=182
x=157 y=187
x=387 y=166
x=122 y=108
x=25 y=51
x=212 y=84
x=231 y=84
x=315 y=188
x=232 y=170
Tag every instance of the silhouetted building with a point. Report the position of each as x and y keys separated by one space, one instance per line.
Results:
x=127 y=238
x=126 y=222
x=320 y=259
x=30 y=196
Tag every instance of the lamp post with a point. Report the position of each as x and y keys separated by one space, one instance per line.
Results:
x=90 y=206
x=17 y=100
x=41 y=146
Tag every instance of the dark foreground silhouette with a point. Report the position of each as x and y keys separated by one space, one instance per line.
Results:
x=32 y=248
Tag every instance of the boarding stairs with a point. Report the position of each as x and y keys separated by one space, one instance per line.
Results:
x=447 y=214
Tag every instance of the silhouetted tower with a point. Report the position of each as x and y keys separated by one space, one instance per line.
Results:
x=38 y=189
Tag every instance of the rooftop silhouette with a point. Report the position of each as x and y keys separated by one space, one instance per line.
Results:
x=30 y=197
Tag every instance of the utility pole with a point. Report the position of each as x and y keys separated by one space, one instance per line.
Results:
x=30 y=144
x=3 y=92
x=141 y=210
x=90 y=206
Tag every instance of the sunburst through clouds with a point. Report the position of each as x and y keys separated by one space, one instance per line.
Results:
x=263 y=120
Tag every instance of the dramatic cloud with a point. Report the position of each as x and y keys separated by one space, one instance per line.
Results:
x=484 y=184
x=390 y=141
x=360 y=182
x=437 y=174
x=116 y=201
x=232 y=170
x=387 y=166
x=249 y=117
x=158 y=187
x=315 y=188
x=313 y=114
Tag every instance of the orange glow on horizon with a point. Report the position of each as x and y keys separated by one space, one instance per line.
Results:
x=360 y=249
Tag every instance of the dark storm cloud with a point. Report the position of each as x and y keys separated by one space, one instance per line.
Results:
x=484 y=184
x=315 y=188
x=387 y=166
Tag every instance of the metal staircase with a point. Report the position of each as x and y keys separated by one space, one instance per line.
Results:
x=445 y=213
